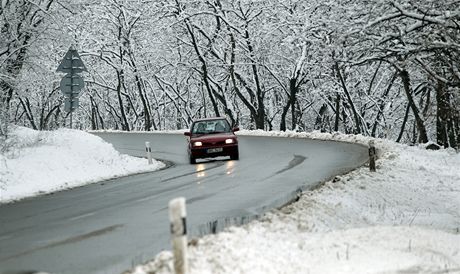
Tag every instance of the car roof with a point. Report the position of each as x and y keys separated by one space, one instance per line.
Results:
x=210 y=119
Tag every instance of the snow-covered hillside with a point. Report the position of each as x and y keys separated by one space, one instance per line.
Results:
x=39 y=162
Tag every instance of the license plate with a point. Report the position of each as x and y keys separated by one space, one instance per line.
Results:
x=215 y=150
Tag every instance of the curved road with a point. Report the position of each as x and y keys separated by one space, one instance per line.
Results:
x=110 y=226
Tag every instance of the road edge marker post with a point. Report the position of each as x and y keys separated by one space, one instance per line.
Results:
x=177 y=217
x=148 y=150
x=372 y=155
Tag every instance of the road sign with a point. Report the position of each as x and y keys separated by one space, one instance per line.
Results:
x=72 y=84
x=71 y=105
x=71 y=63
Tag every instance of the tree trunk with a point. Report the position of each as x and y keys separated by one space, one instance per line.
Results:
x=234 y=75
x=350 y=101
x=382 y=105
x=319 y=122
x=283 y=116
x=28 y=111
x=293 y=89
x=204 y=67
x=337 y=112
x=141 y=90
x=423 y=137
x=442 y=114
x=124 y=121
x=403 y=126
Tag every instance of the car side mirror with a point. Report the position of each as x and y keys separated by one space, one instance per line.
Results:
x=187 y=133
x=236 y=129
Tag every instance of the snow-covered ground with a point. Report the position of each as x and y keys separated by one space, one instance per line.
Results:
x=39 y=162
x=404 y=218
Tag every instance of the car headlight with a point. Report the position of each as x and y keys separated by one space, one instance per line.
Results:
x=198 y=144
x=229 y=141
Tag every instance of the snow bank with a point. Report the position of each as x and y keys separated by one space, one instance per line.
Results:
x=403 y=218
x=39 y=162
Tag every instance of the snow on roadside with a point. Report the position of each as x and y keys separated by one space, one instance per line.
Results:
x=39 y=162
x=404 y=218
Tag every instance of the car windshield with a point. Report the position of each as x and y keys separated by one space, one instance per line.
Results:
x=211 y=126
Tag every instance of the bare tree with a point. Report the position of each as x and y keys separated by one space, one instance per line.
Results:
x=20 y=23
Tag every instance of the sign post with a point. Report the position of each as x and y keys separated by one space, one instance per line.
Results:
x=72 y=82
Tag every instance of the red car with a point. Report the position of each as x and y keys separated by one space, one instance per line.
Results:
x=212 y=137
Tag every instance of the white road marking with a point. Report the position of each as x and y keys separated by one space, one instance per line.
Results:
x=82 y=216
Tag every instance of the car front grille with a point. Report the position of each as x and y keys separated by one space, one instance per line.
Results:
x=219 y=143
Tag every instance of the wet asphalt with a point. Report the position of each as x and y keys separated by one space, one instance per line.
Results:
x=111 y=226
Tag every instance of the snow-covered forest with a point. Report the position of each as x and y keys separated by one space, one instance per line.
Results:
x=387 y=69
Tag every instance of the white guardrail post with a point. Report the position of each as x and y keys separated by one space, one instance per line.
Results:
x=177 y=216
x=148 y=150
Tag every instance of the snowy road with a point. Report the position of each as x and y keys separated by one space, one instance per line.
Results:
x=109 y=227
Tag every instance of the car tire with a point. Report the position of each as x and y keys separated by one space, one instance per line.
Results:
x=235 y=156
x=192 y=160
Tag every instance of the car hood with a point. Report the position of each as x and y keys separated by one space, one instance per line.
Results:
x=213 y=137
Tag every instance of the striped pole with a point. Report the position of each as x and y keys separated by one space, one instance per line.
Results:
x=177 y=217
x=148 y=150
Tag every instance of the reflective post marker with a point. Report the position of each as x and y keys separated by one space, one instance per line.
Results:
x=148 y=150
x=372 y=156
x=177 y=217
